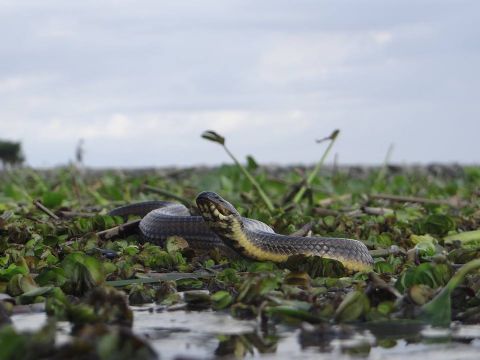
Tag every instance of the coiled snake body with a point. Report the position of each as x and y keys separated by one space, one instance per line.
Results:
x=221 y=226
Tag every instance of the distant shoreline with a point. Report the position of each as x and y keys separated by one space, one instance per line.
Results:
x=433 y=168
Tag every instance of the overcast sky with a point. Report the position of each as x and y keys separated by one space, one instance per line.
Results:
x=140 y=80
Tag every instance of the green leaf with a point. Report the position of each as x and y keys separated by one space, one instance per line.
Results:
x=175 y=243
x=354 y=305
x=16 y=193
x=12 y=345
x=213 y=136
x=189 y=284
x=12 y=270
x=382 y=266
x=315 y=266
x=425 y=245
x=29 y=296
x=53 y=199
x=463 y=237
x=157 y=259
x=437 y=224
x=20 y=284
x=51 y=276
x=251 y=163
x=415 y=239
x=438 y=312
x=261 y=266
x=56 y=303
x=256 y=286
x=221 y=299
x=433 y=275
x=292 y=312
x=82 y=272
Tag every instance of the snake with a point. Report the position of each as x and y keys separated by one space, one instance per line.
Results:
x=220 y=226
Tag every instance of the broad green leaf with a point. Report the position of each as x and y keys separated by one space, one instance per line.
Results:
x=464 y=237
x=438 y=312
x=433 y=275
x=53 y=199
x=83 y=272
x=221 y=299
x=354 y=305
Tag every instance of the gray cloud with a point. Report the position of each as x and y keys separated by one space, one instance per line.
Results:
x=272 y=75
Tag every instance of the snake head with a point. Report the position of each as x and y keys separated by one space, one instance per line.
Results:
x=216 y=211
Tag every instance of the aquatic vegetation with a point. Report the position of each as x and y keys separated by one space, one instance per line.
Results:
x=60 y=249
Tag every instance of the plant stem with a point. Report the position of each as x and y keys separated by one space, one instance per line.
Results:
x=119 y=230
x=460 y=275
x=315 y=171
x=167 y=194
x=383 y=170
x=46 y=210
x=412 y=199
x=254 y=182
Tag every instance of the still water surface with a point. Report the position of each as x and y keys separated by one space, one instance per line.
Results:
x=207 y=334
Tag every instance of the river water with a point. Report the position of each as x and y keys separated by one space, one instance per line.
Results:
x=207 y=334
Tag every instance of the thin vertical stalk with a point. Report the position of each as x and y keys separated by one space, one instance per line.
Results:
x=254 y=182
x=313 y=174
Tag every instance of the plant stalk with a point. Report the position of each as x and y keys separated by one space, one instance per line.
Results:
x=254 y=182
x=313 y=174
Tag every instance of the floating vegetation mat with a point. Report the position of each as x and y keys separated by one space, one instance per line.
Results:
x=77 y=283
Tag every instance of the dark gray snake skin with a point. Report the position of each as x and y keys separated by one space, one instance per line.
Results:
x=252 y=238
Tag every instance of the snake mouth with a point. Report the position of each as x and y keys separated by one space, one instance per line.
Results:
x=213 y=207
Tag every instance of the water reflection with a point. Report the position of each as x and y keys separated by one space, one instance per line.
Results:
x=208 y=334
x=327 y=338
x=248 y=344
x=225 y=336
